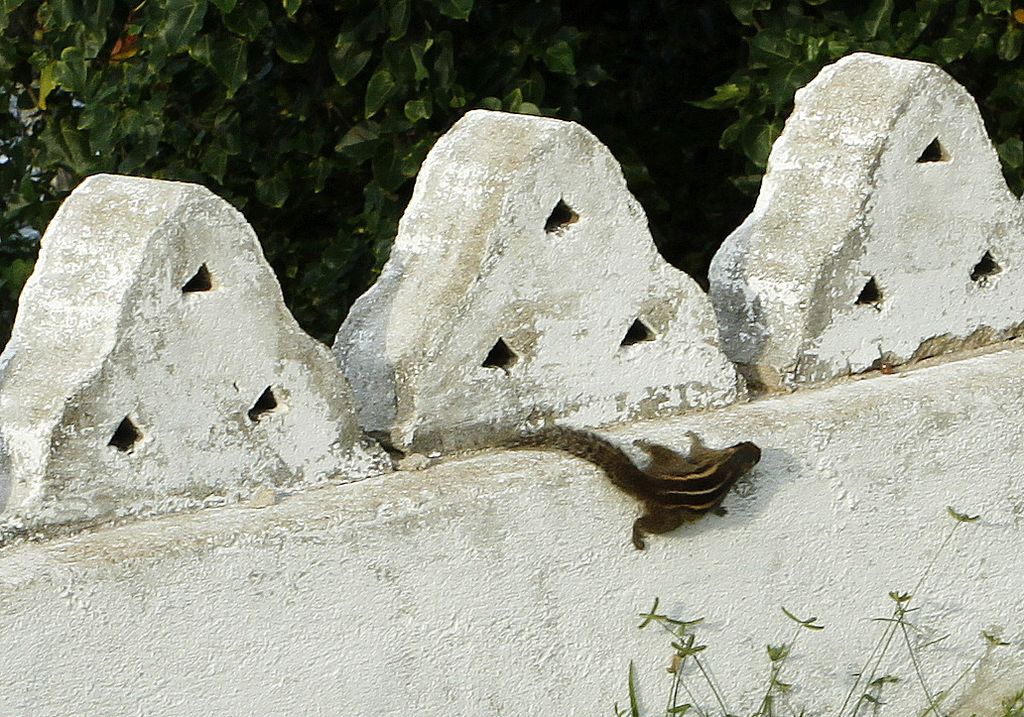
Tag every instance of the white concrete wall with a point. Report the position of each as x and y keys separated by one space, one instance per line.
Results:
x=505 y=582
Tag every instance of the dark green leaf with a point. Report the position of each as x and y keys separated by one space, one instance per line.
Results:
x=733 y=132
x=291 y=6
x=387 y=169
x=757 y=141
x=71 y=72
x=64 y=145
x=457 y=9
x=836 y=49
x=996 y=7
x=6 y=8
x=1011 y=152
x=418 y=109
x=63 y=13
x=771 y=46
x=416 y=52
x=458 y=97
x=202 y=51
x=101 y=121
x=319 y=170
x=360 y=142
x=594 y=74
x=230 y=63
x=248 y=19
x=226 y=56
x=215 y=162
x=728 y=95
x=182 y=22
x=954 y=47
x=225 y=6
x=293 y=44
x=413 y=157
x=348 y=58
x=444 y=65
x=397 y=17
x=1009 y=45
x=558 y=58
x=378 y=89
x=273 y=191
x=879 y=14
x=744 y=9
x=15 y=274
x=513 y=99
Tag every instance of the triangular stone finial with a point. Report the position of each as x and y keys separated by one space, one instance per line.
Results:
x=150 y=350
x=522 y=228
x=882 y=192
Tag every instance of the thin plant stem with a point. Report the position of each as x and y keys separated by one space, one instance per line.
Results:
x=773 y=678
x=883 y=645
x=890 y=632
x=677 y=678
x=945 y=693
x=917 y=667
x=711 y=684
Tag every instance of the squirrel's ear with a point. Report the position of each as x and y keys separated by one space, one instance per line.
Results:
x=665 y=461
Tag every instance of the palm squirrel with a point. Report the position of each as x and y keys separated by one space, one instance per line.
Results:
x=673 y=488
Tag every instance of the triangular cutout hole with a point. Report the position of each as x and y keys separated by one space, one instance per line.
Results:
x=934 y=152
x=870 y=295
x=561 y=217
x=126 y=436
x=200 y=281
x=986 y=267
x=266 y=403
x=637 y=332
x=500 y=356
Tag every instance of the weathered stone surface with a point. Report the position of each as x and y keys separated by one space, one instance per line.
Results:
x=884 y=228
x=493 y=585
x=524 y=285
x=154 y=366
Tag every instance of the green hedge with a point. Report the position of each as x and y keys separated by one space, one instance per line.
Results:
x=313 y=117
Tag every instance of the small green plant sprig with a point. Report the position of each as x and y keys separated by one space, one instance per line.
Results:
x=869 y=678
x=865 y=693
x=1013 y=706
x=685 y=648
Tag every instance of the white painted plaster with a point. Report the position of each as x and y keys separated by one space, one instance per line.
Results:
x=506 y=584
x=105 y=331
x=474 y=263
x=844 y=200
